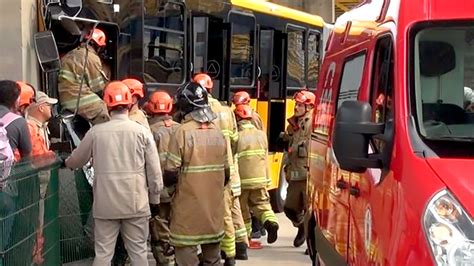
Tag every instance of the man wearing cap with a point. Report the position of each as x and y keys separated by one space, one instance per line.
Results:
x=37 y=118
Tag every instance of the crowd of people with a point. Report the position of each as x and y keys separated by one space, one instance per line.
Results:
x=189 y=172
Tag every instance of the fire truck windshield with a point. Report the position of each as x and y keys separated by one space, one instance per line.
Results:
x=443 y=92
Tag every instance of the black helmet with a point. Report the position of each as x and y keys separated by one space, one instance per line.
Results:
x=191 y=96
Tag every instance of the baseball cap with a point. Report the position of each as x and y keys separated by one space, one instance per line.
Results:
x=42 y=97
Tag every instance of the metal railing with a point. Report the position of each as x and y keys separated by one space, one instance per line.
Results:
x=45 y=215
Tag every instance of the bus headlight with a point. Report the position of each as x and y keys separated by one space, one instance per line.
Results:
x=449 y=231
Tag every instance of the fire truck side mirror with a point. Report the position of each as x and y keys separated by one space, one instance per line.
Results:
x=352 y=134
x=47 y=51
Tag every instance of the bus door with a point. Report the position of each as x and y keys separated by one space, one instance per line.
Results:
x=271 y=92
x=209 y=50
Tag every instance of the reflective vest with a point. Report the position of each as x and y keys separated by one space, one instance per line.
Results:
x=252 y=152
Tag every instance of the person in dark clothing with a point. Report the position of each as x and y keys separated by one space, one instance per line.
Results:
x=17 y=131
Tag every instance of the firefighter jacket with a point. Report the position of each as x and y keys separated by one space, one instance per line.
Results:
x=298 y=134
x=228 y=125
x=162 y=128
x=138 y=116
x=198 y=152
x=252 y=152
x=257 y=121
x=127 y=171
x=69 y=81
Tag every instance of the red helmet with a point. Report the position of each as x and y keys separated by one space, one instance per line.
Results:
x=160 y=102
x=98 y=36
x=243 y=111
x=117 y=93
x=241 y=97
x=135 y=86
x=27 y=93
x=204 y=80
x=305 y=97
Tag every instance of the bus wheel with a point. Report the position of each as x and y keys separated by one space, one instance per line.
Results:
x=278 y=195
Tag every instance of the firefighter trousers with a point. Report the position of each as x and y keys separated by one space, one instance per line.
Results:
x=95 y=113
x=160 y=235
x=234 y=227
x=296 y=202
x=134 y=232
x=256 y=201
x=189 y=255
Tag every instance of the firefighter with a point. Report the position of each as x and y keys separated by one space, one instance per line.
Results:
x=127 y=178
x=298 y=136
x=235 y=231
x=136 y=89
x=242 y=97
x=239 y=98
x=252 y=152
x=90 y=106
x=27 y=96
x=197 y=165
x=162 y=126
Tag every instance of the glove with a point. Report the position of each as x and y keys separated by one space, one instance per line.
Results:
x=155 y=209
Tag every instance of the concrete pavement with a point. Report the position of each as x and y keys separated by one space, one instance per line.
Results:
x=280 y=253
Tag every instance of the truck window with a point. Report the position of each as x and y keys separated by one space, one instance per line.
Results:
x=164 y=43
x=353 y=70
x=382 y=85
x=296 y=59
x=313 y=59
x=242 y=49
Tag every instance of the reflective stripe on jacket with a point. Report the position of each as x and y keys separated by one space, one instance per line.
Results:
x=198 y=152
x=252 y=152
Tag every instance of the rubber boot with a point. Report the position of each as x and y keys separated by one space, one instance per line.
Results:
x=272 y=229
x=300 y=237
x=229 y=262
x=241 y=251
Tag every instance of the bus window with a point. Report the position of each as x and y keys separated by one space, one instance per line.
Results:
x=296 y=59
x=313 y=59
x=242 y=50
x=200 y=37
x=353 y=71
x=164 y=43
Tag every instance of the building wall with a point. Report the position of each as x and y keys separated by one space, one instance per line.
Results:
x=17 y=53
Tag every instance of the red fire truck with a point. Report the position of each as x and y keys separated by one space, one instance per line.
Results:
x=392 y=152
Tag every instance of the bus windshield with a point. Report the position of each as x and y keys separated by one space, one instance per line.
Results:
x=444 y=83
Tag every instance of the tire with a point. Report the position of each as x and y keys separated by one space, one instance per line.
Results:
x=278 y=195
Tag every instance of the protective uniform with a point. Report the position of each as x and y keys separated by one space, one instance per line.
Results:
x=234 y=224
x=242 y=97
x=198 y=166
x=298 y=135
x=252 y=152
x=136 y=114
x=127 y=179
x=163 y=127
x=91 y=106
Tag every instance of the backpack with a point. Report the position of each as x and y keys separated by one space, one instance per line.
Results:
x=6 y=153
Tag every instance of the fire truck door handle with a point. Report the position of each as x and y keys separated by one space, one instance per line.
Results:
x=341 y=184
x=354 y=191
